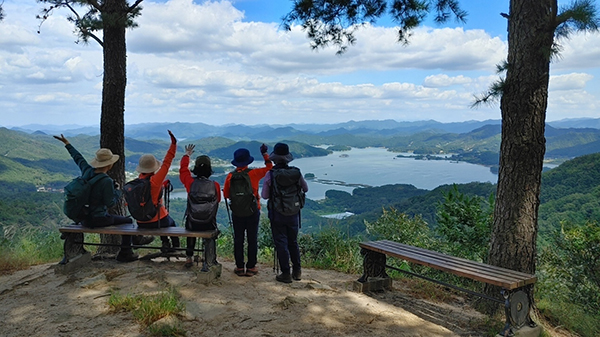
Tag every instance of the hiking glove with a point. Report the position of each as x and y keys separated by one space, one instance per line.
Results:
x=173 y=139
x=263 y=149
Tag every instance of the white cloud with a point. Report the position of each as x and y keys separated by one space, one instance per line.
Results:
x=443 y=80
x=573 y=81
x=203 y=61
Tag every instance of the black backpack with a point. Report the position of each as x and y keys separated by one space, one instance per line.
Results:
x=286 y=195
x=77 y=197
x=202 y=205
x=243 y=200
x=138 y=197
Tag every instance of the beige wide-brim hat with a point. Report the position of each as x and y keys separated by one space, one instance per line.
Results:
x=148 y=164
x=104 y=157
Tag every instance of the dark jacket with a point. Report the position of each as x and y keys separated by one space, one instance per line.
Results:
x=103 y=194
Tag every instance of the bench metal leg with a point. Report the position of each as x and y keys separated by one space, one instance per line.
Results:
x=373 y=265
x=210 y=254
x=73 y=246
x=517 y=310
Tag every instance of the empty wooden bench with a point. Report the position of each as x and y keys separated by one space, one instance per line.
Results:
x=74 y=239
x=516 y=300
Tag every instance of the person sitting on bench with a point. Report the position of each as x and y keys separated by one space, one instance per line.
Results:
x=105 y=193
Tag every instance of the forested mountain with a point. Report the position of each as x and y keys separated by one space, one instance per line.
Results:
x=570 y=192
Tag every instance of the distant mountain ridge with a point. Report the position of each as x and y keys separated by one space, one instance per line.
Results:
x=264 y=132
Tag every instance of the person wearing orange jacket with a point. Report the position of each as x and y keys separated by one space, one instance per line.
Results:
x=151 y=168
x=247 y=225
x=202 y=170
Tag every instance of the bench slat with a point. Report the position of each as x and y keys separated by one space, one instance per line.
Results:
x=133 y=229
x=463 y=268
x=506 y=278
x=468 y=265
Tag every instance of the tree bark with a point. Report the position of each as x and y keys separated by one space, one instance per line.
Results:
x=112 y=120
x=523 y=105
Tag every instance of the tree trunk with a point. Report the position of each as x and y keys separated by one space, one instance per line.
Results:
x=112 y=120
x=523 y=104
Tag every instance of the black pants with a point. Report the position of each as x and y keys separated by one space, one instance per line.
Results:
x=163 y=223
x=111 y=220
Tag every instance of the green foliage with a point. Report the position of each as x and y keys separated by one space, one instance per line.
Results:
x=399 y=227
x=23 y=246
x=147 y=309
x=571 y=267
x=464 y=224
x=331 y=249
x=570 y=316
x=334 y=22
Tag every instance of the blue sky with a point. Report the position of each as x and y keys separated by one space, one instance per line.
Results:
x=222 y=62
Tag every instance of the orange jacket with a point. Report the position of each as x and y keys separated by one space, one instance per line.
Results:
x=256 y=174
x=156 y=182
x=185 y=176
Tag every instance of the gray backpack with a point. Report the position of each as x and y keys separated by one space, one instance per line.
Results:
x=202 y=205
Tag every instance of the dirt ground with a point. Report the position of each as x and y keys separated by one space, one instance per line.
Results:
x=39 y=302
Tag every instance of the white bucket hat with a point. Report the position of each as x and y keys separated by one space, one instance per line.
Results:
x=104 y=157
x=148 y=164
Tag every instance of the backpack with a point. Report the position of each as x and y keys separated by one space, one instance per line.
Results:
x=202 y=205
x=286 y=195
x=243 y=200
x=138 y=197
x=77 y=197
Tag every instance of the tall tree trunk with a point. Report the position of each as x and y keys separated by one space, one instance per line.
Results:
x=112 y=120
x=523 y=105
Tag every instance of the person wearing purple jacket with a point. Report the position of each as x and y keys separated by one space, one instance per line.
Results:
x=284 y=227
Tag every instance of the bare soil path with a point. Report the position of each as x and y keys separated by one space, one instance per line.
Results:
x=38 y=302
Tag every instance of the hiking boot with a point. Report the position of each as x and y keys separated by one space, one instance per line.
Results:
x=251 y=271
x=142 y=240
x=297 y=274
x=175 y=242
x=127 y=256
x=189 y=262
x=239 y=271
x=284 y=277
x=166 y=247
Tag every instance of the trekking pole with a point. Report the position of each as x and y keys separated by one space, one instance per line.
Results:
x=275 y=261
x=229 y=216
x=168 y=187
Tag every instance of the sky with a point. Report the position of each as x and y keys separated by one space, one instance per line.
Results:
x=230 y=62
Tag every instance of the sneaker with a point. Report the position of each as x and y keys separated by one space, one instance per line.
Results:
x=127 y=256
x=251 y=271
x=142 y=240
x=189 y=262
x=239 y=271
x=283 y=277
x=297 y=274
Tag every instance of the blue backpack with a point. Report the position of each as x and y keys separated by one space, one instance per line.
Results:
x=77 y=197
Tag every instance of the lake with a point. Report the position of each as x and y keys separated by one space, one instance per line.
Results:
x=377 y=167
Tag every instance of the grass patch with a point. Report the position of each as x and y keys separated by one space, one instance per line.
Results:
x=147 y=309
x=28 y=247
x=569 y=316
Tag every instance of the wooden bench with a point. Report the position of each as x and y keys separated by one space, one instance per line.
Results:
x=513 y=283
x=74 y=240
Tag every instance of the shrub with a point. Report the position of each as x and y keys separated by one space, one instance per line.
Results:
x=465 y=224
x=571 y=266
x=331 y=249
